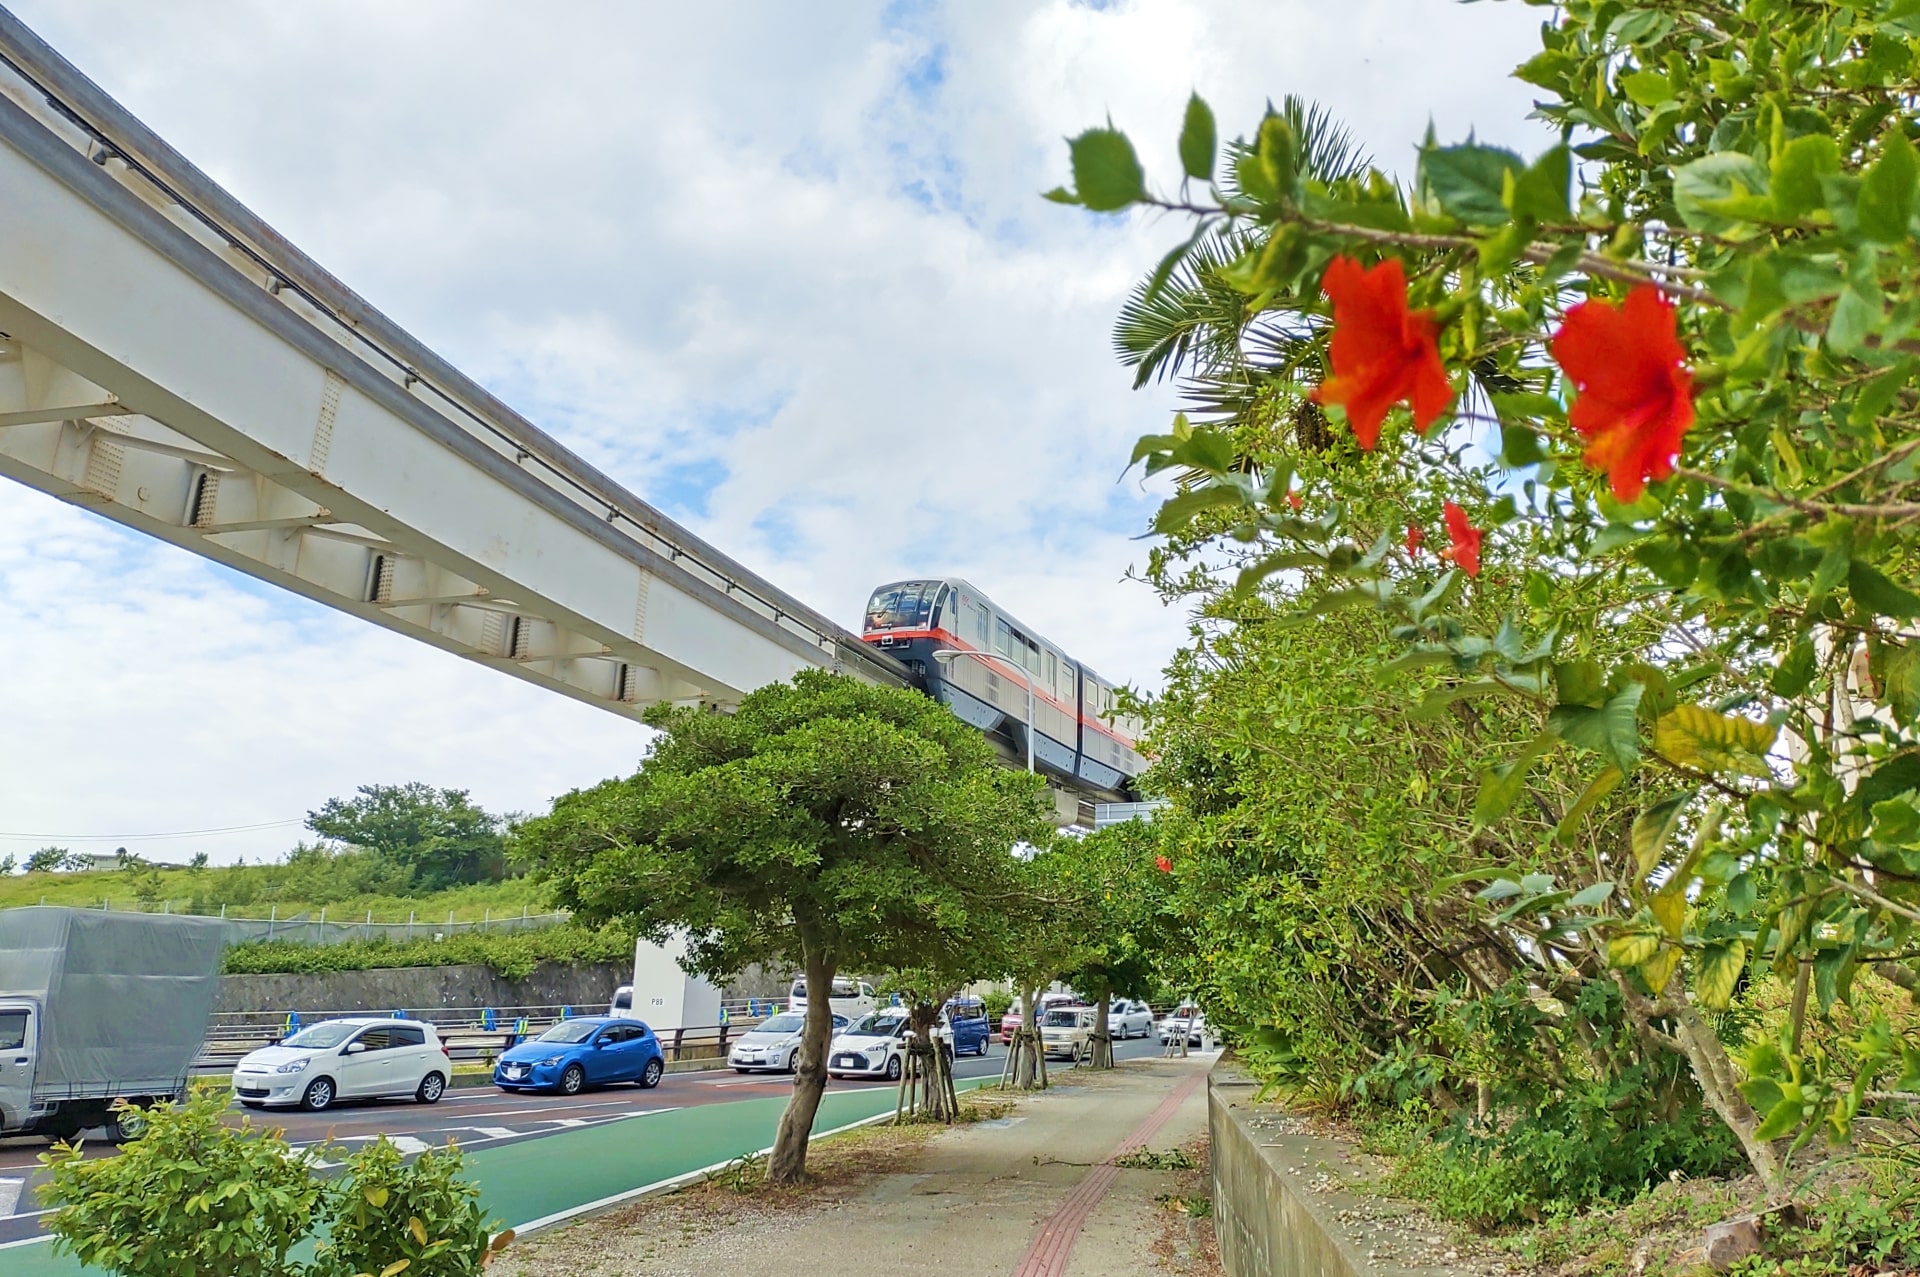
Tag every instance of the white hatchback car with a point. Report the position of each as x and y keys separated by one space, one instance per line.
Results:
x=346 y=1060
x=1129 y=1019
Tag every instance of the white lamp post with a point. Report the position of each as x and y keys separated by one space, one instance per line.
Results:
x=948 y=653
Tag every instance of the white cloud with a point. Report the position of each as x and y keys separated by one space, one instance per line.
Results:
x=781 y=268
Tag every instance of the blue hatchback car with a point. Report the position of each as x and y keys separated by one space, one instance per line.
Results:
x=574 y=1054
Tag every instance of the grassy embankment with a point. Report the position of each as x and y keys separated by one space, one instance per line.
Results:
x=256 y=891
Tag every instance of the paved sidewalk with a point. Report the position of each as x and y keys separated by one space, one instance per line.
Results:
x=1032 y=1194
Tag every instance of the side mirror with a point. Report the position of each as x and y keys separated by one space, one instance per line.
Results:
x=355 y=1048
x=599 y=1044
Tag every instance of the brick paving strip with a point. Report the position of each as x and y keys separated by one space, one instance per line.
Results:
x=1052 y=1246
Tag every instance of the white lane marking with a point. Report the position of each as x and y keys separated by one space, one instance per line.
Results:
x=10 y=1194
x=572 y=1121
x=495 y=1132
x=408 y=1145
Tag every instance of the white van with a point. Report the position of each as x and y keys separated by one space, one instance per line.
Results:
x=851 y=998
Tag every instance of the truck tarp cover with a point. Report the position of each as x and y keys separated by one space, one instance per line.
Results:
x=126 y=996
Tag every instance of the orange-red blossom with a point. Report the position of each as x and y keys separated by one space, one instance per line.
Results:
x=1465 y=550
x=1635 y=395
x=1382 y=353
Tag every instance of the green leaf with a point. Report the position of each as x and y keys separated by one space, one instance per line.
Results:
x=1540 y=192
x=1880 y=392
x=1599 y=787
x=1874 y=592
x=1795 y=670
x=1610 y=730
x=1715 y=192
x=1887 y=190
x=1647 y=88
x=1796 y=172
x=1782 y=1119
x=1856 y=317
x=1903 y=680
x=1469 y=182
x=1181 y=508
x=1592 y=897
x=1579 y=681
x=1501 y=786
x=1652 y=828
x=1106 y=173
x=1199 y=142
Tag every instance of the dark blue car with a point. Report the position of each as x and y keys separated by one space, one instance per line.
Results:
x=593 y=1050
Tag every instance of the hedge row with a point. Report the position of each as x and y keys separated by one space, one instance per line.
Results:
x=513 y=957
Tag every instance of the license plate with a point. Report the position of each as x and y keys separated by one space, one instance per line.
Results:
x=846 y=1061
x=517 y=1070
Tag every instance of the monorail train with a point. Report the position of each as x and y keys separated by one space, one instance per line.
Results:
x=1078 y=737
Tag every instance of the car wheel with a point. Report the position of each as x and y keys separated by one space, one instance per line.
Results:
x=893 y=1068
x=432 y=1087
x=650 y=1076
x=318 y=1096
x=572 y=1080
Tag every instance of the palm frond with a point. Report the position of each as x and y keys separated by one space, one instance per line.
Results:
x=1193 y=315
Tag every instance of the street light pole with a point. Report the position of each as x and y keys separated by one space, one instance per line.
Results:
x=948 y=653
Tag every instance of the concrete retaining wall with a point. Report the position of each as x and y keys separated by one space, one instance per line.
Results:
x=585 y=987
x=1267 y=1228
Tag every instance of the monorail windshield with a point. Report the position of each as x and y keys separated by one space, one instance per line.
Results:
x=906 y=605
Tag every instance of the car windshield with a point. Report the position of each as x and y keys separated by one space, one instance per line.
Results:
x=332 y=1033
x=1061 y=1019
x=570 y=1031
x=789 y=1023
x=877 y=1025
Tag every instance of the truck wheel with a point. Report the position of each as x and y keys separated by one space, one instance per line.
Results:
x=319 y=1095
x=432 y=1087
x=126 y=1124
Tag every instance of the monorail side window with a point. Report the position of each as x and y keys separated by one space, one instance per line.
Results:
x=1002 y=638
x=980 y=639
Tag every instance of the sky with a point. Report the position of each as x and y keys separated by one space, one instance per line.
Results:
x=782 y=270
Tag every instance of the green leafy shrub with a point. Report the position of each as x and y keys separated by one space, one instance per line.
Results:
x=387 y=1215
x=513 y=956
x=191 y=1196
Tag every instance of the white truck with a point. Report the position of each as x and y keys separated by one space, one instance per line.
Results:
x=97 y=1007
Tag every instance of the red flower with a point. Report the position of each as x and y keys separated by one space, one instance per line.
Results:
x=1415 y=539
x=1382 y=353
x=1636 y=399
x=1293 y=499
x=1465 y=550
x=1165 y=865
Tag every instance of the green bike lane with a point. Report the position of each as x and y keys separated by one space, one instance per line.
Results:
x=536 y=1179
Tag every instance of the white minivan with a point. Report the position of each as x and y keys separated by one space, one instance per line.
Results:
x=352 y=1059
x=851 y=998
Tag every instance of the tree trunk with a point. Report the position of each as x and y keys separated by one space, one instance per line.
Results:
x=1100 y=1052
x=787 y=1164
x=1712 y=1071
x=1026 y=1068
x=926 y=1083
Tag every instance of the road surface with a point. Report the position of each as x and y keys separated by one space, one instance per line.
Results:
x=691 y=1120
